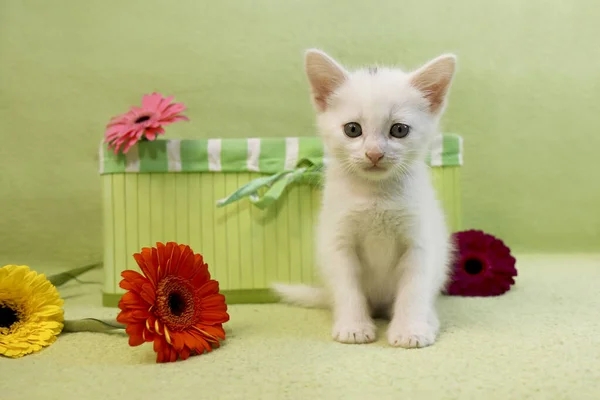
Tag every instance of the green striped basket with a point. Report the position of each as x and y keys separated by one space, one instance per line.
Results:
x=248 y=205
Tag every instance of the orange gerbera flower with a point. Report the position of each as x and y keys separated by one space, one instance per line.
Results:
x=174 y=304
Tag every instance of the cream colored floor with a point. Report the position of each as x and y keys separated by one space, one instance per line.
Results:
x=541 y=340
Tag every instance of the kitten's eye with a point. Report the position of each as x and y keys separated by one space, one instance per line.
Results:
x=399 y=130
x=352 y=130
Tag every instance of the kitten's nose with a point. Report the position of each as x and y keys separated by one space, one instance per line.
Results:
x=374 y=156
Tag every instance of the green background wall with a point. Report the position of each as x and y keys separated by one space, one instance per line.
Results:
x=526 y=99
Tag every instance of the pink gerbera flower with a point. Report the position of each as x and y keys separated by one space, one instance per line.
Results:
x=483 y=265
x=146 y=122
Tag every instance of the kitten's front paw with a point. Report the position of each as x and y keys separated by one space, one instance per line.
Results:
x=410 y=336
x=354 y=332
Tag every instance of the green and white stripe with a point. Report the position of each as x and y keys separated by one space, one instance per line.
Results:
x=283 y=160
x=446 y=151
x=264 y=155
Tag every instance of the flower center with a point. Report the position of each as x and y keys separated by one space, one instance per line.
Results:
x=8 y=316
x=473 y=266
x=176 y=304
x=175 y=301
x=141 y=119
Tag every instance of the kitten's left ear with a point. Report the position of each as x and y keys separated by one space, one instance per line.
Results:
x=434 y=79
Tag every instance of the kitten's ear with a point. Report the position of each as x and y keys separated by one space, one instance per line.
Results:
x=325 y=76
x=434 y=79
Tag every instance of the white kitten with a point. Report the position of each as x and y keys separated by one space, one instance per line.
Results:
x=382 y=243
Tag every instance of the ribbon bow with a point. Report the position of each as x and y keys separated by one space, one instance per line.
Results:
x=306 y=171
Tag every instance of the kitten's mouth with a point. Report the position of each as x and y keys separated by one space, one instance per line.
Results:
x=375 y=168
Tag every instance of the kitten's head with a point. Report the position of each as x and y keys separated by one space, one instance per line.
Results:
x=375 y=122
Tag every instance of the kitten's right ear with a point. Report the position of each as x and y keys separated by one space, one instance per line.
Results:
x=325 y=76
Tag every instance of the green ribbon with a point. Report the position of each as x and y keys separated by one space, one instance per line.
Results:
x=266 y=190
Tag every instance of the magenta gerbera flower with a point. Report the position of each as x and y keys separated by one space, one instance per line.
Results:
x=483 y=265
x=146 y=122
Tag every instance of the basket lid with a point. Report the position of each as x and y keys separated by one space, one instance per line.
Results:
x=264 y=155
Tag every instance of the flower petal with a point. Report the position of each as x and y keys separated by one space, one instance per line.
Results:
x=151 y=323
x=215 y=331
x=144 y=260
x=202 y=276
x=133 y=300
x=214 y=317
x=162 y=259
x=172 y=110
x=151 y=101
x=209 y=288
x=135 y=332
x=160 y=348
x=174 y=119
x=214 y=302
x=151 y=133
x=186 y=262
x=177 y=340
x=148 y=293
x=134 y=278
x=198 y=343
x=184 y=354
x=174 y=253
x=173 y=355
x=165 y=103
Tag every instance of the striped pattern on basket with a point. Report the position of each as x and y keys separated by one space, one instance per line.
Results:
x=265 y=155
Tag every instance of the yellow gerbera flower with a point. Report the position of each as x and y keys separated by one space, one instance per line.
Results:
x=31 y=314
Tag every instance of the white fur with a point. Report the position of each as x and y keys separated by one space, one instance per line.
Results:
x=382 y=242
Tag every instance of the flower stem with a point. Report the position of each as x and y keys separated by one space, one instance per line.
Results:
x=64 y=277
x=92 y=325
